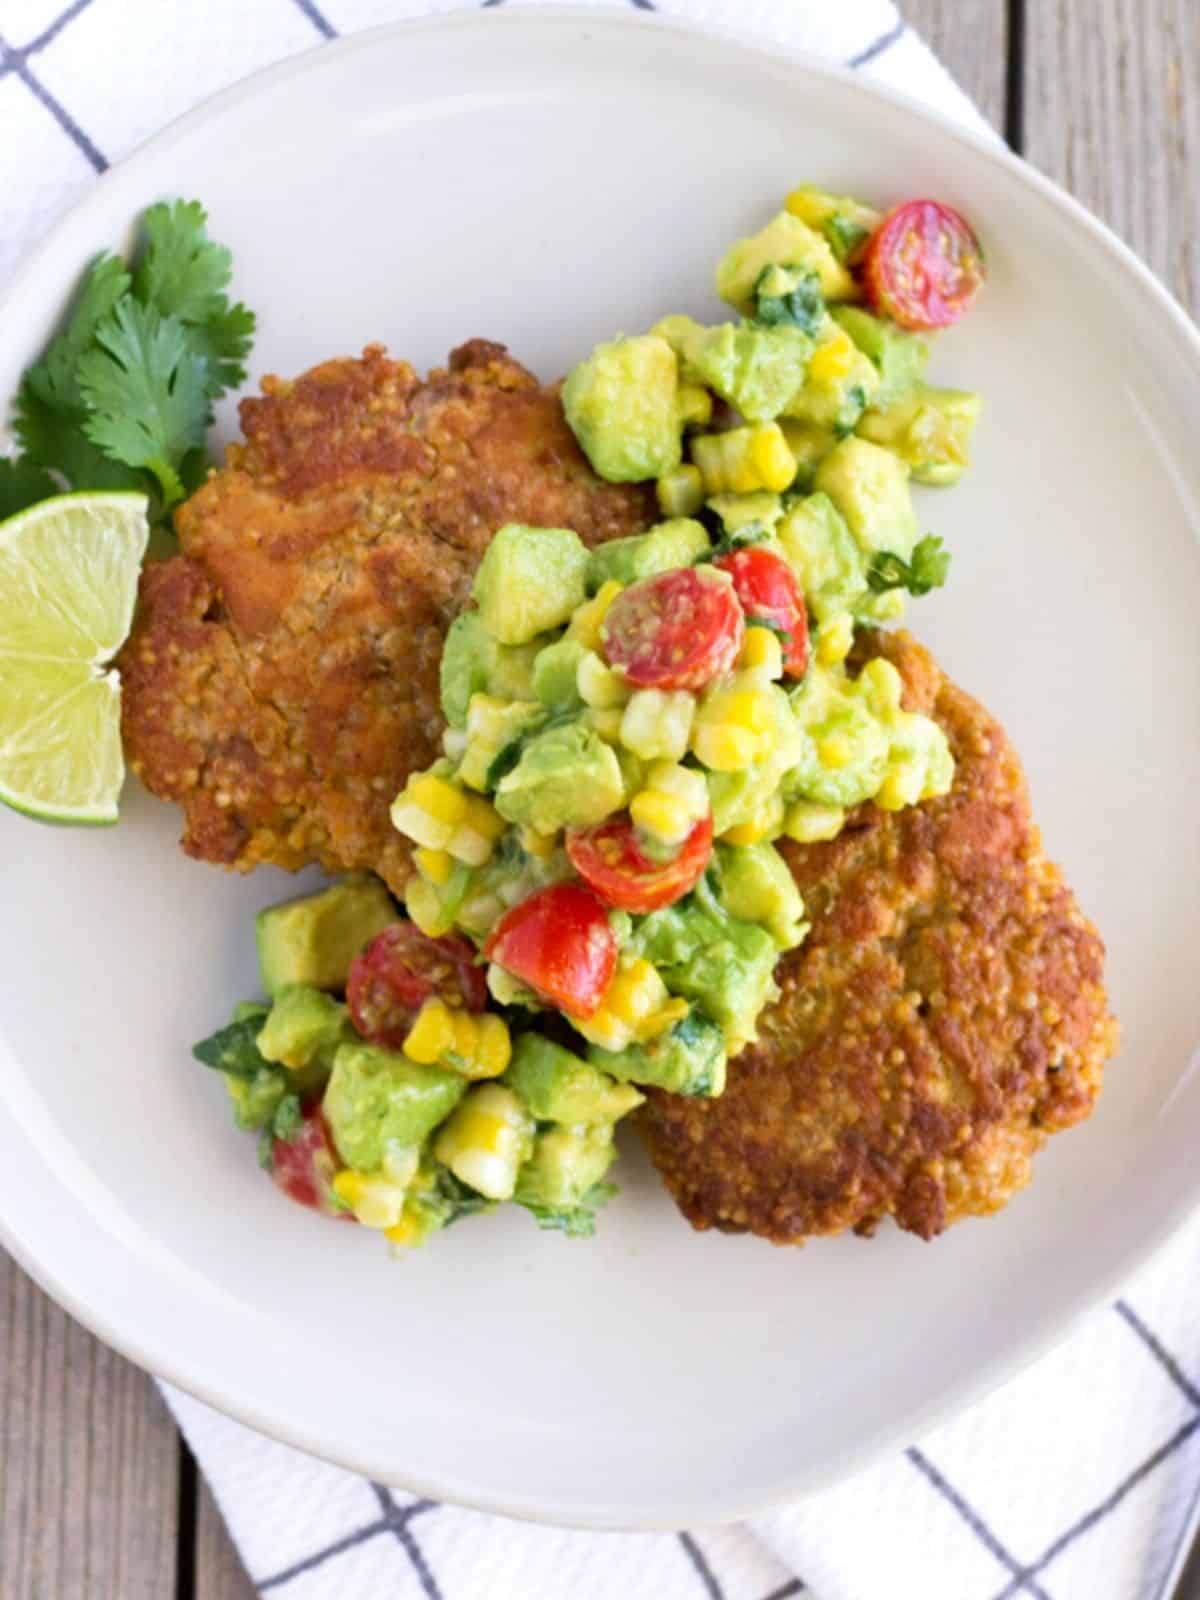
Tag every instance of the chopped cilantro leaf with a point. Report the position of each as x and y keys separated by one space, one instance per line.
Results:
x=146 y=392
x=844 y=235
x=749 y=533
x=233 y=1049
x=22 y=483
x=285 y=1124
x=789 y=295
x=578 y=1221
x=928 y=569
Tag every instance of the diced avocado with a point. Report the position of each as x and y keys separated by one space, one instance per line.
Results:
x=758 y=370
x=434 y=1199
x=756 y=886
x=739 y=512
x=869 y=486
x=249 y=1011
x=784 y=242
x=730 y=978
x=847 y=223
x=304 y=1025
x=821 y=551
x=688 y=1059
x=840 y=382
x=846 y=739
x=257 y=1099
x=495 y=729
x=315 y=938
x=684 y=335
x=474 y=663
x=378 y=1099
x=566 y=1163
x=566 y=775
x=810 y=445
x=623 y=408
x=677 y=543
x=530 y=580
x=930 y=431
x=556 y=673
x=558 y=1087
x=899 y=357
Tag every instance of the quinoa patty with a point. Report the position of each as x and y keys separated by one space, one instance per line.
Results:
x=281 y=681
x=946 y=1014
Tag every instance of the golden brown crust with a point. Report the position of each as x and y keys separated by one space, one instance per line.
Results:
x=946 y=1013
x=281 y=680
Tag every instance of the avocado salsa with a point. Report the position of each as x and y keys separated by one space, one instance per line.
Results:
x=597 y=904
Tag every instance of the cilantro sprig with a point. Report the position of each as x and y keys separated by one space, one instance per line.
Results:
x=123 y=397
x=928 y=569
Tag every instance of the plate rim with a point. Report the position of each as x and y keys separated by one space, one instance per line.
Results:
x=1054 y=1327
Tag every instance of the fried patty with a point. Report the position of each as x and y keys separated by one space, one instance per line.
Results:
x=946 y=1014
x=281 y=680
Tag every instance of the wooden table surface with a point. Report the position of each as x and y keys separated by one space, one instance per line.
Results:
x=99 y=1498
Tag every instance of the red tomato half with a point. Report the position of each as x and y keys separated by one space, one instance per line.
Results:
x=399 y=970
x=607 y=856
x=305 y=1166
x=923 y=265
x=767 y=590
x=677 y=630
x=558 y=941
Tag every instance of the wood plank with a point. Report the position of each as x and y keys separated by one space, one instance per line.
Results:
x=971 y=38
x=219 y=1571
x=90 y=1457
x=1112 y=112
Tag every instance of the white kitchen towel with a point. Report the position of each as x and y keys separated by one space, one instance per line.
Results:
x=1072 y=1483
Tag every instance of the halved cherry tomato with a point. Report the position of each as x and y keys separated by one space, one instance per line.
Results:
x=767 y=590
x=304 y=1166
x=559 y=942
x=608 y=857
x=399 y=970
x=923 y=265
x=677 y=630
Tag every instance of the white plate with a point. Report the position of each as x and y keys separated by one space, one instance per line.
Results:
x=548 y=179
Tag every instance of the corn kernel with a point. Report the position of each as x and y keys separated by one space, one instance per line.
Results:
x=835 y=639
x=662 y=815
x=807 y=823
x=636 y=1006
x=407 y=1232
x=474 y=838
x=744 y=460
x=680 y=493
x=586 y=622
x=607 y=723
x=599 y=686
x=537 y=844
x=724 y=749
x=493 y=1046
x=436 y=865
x=348 y=1186
x=762 y=653
x=685 y=783
x=901 y=787
x=765 y=823
x=375 y=1202
x=835 y=751
x=439 y=798
x=745 y=833
x=884 y=685
x=485 y=1140
x=773 y=461
x=432 y=1034
x=834 y=359
x=695 y=406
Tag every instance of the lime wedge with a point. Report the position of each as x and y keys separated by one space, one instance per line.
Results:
x=68 y=582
